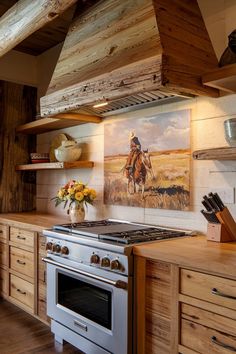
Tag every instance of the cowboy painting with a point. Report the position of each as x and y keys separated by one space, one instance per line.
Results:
x=151 y=168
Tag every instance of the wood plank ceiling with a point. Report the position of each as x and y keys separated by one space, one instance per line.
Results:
x=51 y=34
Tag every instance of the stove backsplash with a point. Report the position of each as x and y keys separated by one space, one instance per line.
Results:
x=208 y=115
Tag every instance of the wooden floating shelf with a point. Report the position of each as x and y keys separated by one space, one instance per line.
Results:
x=223 y=153
x=223 y=78
x=59 y=121
x=55 y=166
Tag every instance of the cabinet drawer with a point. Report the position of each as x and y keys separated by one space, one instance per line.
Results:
x=210 y=288
x=3 y=254
x=22 y=237
x=3 y=233
x=22 y=291
x=204 y=340
x=3 y=281
x=22 y=261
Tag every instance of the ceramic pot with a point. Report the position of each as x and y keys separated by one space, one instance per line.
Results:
x=76 y=213
x=69 y=151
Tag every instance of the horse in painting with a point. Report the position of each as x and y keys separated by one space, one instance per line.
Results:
x=138 y=174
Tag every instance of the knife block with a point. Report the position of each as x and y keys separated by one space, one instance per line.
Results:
x=218 y=233
x=228 y=222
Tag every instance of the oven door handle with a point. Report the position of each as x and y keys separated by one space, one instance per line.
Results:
x=118 y=284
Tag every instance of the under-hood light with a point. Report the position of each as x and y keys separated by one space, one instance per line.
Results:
x=101 y=104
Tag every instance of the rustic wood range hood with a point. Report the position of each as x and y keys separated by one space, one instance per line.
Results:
x=130 y=52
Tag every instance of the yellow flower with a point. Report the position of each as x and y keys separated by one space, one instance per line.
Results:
x=92 y=193
x=71 y=191
x=79 y=188
x=61 y=193
x=79 y=196
x=86 y=191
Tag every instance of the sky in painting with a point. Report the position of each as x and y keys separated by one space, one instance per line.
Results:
x=165 y=131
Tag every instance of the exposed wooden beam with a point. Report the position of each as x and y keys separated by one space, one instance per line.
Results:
x=26 y=17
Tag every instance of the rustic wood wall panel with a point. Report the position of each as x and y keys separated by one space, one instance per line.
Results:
x=17 y=106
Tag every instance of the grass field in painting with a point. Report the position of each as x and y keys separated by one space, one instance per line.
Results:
x=168 y=190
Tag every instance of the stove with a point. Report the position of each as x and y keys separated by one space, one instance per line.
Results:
x=119 y=231
x=90 y=281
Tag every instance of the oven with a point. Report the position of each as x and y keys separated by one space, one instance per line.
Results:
x=90 y=282
x=91 y=307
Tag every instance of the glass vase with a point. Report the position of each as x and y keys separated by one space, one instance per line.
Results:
x=77 y=213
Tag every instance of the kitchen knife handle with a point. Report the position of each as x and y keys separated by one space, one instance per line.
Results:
x=206 y=199
x=204 y=203
x=214 y=204
x=219 y=200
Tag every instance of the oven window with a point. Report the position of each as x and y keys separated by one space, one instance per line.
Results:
x=85 y=299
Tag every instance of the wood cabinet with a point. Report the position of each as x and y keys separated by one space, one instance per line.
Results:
x=22 y=268
x=22 y=272
x=183 y=310
x=156 y=289
x=207 y=313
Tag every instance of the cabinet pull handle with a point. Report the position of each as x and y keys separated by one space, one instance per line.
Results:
x=20 y=237
x=21 y=292
x=214 y=291
x=20 y=262
x=221 y=344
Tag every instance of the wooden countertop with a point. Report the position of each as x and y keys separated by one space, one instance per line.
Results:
x=193 y=252
x=32 y=220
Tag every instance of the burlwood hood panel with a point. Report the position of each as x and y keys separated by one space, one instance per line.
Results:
x=119 y=48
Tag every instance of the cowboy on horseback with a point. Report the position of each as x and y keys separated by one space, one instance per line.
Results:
x=135 y=149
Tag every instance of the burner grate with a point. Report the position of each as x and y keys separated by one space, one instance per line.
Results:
x=149 y=234
x=84 y=225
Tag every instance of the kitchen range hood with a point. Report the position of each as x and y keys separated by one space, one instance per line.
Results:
x=130 y=53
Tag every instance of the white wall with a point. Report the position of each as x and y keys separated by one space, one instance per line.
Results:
x=207 y=131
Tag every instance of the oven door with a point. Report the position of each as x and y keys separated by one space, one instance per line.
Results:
x=94 y=304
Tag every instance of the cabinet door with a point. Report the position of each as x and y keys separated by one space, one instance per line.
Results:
x=157 y=307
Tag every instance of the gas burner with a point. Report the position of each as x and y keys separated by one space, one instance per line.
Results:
x=143 y=235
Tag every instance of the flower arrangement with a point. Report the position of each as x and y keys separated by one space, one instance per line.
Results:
x=75 y=192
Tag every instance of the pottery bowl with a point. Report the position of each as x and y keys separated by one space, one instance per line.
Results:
x=68 y=152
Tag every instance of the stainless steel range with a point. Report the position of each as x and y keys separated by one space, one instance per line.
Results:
x=90 y=282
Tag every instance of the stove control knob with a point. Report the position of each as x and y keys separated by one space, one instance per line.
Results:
x=65 y=250
x=56 y=248
x=115 y=264
x=105 y=262
x=49 y=246
x=95 y=259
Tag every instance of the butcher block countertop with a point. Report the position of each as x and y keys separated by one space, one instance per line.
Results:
x=32 y=220
x=193 y=252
